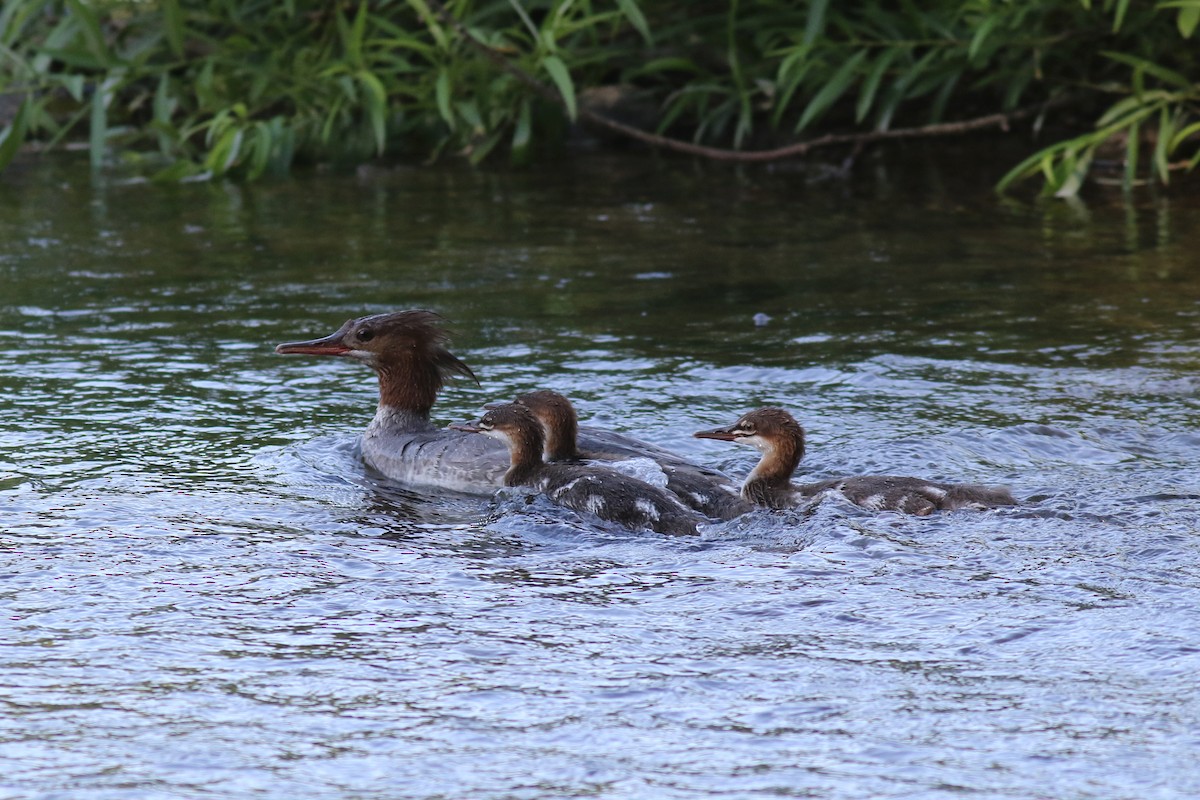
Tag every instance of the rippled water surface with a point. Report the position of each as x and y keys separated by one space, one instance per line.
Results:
x=205 y=593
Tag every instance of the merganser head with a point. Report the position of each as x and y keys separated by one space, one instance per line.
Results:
x=773 y=431
x=560 y=423
x=557 y=417
x=406 y=348
x=514 y=425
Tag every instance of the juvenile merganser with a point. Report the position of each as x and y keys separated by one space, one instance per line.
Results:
x=705 y=490
x=606 y=493
x=408 y=351
x=780 y=439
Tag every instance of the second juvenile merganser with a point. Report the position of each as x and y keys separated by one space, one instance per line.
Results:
x=608 y=494
x=408 y=351
x=703 y=489
x=780 y=439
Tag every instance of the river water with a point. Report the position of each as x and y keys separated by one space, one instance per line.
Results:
x=205 y=594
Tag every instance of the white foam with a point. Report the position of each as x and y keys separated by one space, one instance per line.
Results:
x=644 y=469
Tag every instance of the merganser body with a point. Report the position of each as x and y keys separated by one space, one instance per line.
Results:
x=408 y=351
x=780 y=439
x=610 y=495
x=705 y=490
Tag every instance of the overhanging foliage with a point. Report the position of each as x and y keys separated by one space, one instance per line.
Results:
x=223 y=87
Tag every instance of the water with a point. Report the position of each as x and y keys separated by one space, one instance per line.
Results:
x=205 y=594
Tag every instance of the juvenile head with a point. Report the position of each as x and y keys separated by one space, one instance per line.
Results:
x=774 y=432
x=513 y=424
x=558 y=419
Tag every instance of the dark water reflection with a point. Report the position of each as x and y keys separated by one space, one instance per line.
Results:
x=204 y=592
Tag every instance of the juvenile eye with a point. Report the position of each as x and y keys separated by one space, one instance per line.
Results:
x=365 y=334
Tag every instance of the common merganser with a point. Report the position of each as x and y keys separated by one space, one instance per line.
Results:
x=705 y=490
x=780 y=439
x=608 y=494
x=408 y=351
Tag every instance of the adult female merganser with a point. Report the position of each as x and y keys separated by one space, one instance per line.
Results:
x=606 y=493
x=705 y=490
x=780 y=439
x=407 y=349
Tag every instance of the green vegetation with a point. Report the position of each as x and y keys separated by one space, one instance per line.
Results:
x=243 y=88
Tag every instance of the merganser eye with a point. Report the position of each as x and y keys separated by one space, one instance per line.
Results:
x=365 y=334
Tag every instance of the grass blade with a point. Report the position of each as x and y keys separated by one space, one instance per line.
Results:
x=442 y=91
x=14 y=135
x=562 y=79
x=866 y=95
x=832 y=90
x=1131 y=156
x=98 y=132
x=1150 y=68
x=376 y=97
x=633 y=13
x=173 y=24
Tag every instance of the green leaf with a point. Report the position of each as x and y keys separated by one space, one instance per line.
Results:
x=468 y=111
x=866 y=95
x=14 y=134
x=98 y=132
x=1122 y=7
x=1131 y=156
x=442 y=90
x=631 y=11
x=562 y=79
x=533 y=30
x=523 y=132
x=1071 y=176
x=427 y=16
x=225 y=152
x=1166 y=130
x=176 y=172
x=1030 y=166
x=814 y=26
x=352 y=36
x=788 y=78
x=981 y=34
x=1187 y=20
x=1130 y=106
x=480 y=151
x=1150 y=68
x=164 y=107
x=173 y=24
x=91 y=30
x=832 y=90
x=260 y=150
x=74 y=84
x=900 y=88
x=942 y=98
x=660 y=65
x=1182 y=136
x=376 y=97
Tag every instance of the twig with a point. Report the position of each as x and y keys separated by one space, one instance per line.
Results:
x=1000 y=120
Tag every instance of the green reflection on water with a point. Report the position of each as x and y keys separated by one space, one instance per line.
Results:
x=669 y=259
